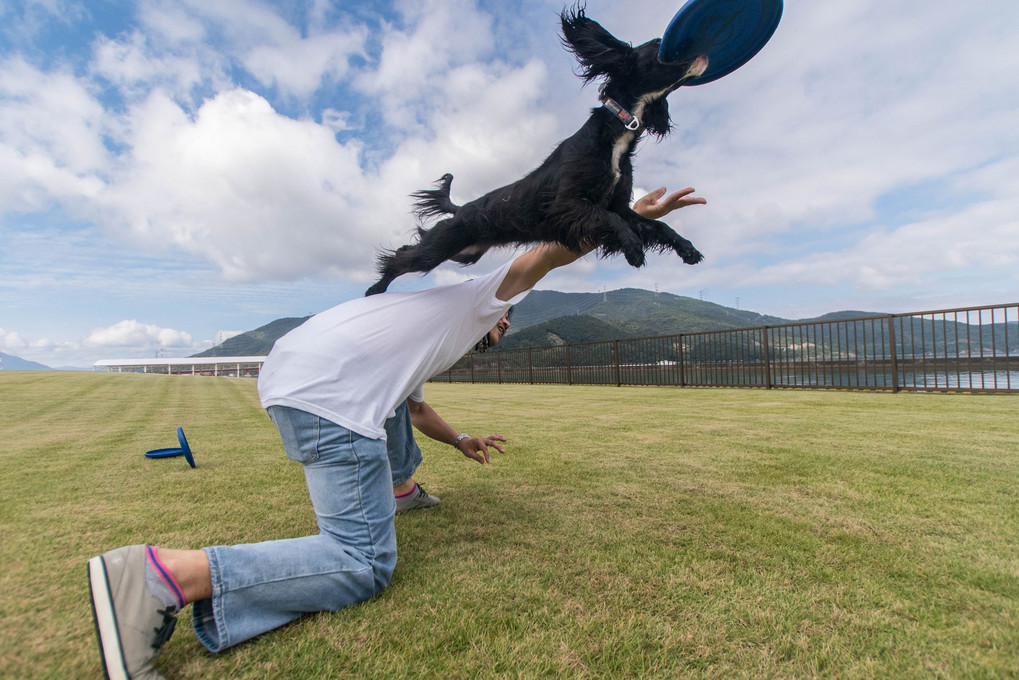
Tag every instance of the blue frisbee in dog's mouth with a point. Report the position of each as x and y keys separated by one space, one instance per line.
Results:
x=727 y=32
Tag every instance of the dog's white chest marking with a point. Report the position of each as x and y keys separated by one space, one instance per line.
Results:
x=625 y=139
x=618 y=149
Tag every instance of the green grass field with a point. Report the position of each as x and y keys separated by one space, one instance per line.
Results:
x=626 y=533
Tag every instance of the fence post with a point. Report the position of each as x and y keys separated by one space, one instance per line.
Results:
x=498 y=366
x=530 y=364
x=767 y=359
x=569 y=366
x=471 y=355
x=682 y=373
x=615 y=349
x=893 y=353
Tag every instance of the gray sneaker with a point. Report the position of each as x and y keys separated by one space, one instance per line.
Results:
x=416 y=502
x=132 y=626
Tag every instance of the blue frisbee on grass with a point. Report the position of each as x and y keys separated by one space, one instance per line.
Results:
x=188 y=456
x=184 y=450
x=728 y=32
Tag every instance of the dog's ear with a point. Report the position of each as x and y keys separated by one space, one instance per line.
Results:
x=656 y=117
x=598 y=51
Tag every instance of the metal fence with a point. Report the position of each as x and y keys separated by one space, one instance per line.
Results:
x=960 y=350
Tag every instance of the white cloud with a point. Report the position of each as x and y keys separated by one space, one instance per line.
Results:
x=181 y=46
x=259 y=194
x=132 y=65
x=299 y=65
x=34 y=349
x=984 y=235
x=134 y=335
x=337 y=121
x=51 y=138
x=174 y=25
x=23 y=20
x=275 y=52
x=10 y=341
x=438 y=36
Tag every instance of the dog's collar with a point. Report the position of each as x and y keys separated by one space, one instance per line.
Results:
x=629 y=120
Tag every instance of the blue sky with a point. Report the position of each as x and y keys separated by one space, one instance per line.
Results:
x=170 y=169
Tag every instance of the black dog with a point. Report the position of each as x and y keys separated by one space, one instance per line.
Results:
x=581 y=193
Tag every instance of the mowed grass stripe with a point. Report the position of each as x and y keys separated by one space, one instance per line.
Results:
x=634 y=532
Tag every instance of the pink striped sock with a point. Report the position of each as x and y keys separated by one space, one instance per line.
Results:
x=411 y=492
x=160 y=581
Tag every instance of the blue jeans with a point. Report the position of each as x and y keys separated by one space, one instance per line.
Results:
x=260 y=586
x=404 y=454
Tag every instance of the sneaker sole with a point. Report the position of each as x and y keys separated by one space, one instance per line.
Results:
x=106 y=621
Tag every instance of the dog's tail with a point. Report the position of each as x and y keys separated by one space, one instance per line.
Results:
x=435 y=202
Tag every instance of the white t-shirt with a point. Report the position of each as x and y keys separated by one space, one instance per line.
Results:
x=355 y=363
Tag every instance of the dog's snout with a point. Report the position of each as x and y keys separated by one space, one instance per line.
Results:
x=697 y=67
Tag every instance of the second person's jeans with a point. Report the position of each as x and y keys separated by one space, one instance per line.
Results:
x=260 y=586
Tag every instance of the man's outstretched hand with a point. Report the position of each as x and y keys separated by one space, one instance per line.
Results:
x=654 y=207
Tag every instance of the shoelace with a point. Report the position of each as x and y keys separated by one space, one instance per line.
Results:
x=164 y=632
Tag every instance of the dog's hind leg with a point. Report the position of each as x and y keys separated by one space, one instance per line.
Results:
x=388 y=272
x=442 y=242
x=380 y=286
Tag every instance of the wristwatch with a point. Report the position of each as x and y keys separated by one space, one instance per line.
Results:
x=459 y=438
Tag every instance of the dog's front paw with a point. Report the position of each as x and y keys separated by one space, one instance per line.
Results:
x=634 y=256
x=688 y=253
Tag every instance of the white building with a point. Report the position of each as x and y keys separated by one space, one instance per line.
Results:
x=238 y=367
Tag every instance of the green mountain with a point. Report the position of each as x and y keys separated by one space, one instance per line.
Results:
x=637 y=313
x=254 y=343
x=563 y=330
x=548 y=317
